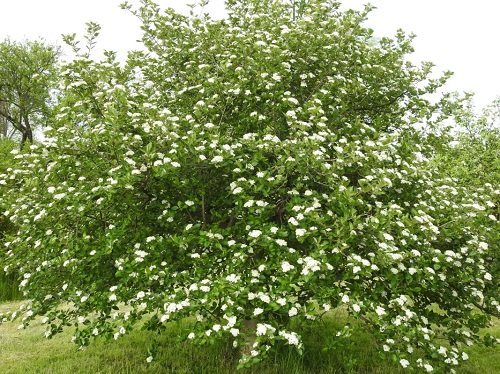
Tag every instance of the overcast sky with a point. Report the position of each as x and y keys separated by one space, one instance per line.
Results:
x=457 y=35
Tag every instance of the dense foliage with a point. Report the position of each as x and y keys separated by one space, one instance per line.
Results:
x=254 y=172
x=472 y=159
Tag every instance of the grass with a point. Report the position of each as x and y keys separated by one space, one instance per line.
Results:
x=27 y=351
x=9 y=288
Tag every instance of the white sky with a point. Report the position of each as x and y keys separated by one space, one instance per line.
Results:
x=457 y=35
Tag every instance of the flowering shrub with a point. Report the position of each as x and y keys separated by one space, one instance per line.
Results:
x=252 y=172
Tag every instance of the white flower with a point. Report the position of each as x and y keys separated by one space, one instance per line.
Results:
x=387 y=236
x=345 y=299
x=237 y=190
x=465 y=356
x=258 y=311
x=281 y=242
x=291 y=338
x=261 y=329
x=233 y=278
x=281 y=301
x=404 y=363
x=191 y=336
x=265 y=298
x=141 y=253
x=231 y=321
x=310 y=265
x=442 y=351
x=300 y=232
x=234 y=332
x=286 y=266
x=483 y=245
x=112 y=297
x=487 y=276
x=51 y=189
x=217 y=159
x=141 y=294
x=293 y=312
x=380 y=311
x=255 y=233
x=149 y=359
x=428 y=368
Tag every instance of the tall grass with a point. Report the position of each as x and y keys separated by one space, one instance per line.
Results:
x=27 y=351
x=9 y=289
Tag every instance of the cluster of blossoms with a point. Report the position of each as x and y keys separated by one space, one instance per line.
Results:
x=246 y=172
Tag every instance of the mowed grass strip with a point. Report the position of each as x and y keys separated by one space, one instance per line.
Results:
x=28 y=351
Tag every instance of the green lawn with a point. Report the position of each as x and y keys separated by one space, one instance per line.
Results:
x=27 y=351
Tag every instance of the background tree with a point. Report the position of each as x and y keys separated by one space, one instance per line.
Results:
x=27 y=76
x=474 y=156
x=253 y=172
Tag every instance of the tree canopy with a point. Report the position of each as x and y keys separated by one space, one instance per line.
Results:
x=27 y=76
x=253 y=172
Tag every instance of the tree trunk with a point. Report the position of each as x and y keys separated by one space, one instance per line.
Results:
x=249 y=327
x=27 y=132
x=3 y=119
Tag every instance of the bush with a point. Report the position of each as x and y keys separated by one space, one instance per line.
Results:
x=252 y=172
